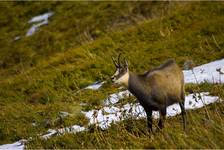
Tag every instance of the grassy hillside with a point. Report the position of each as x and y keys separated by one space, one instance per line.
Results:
x=75 y=49
x=73 y=24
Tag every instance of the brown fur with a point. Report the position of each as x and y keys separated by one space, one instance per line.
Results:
x=155 y=89
x=159 y=88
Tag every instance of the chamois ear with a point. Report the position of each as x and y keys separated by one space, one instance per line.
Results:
x=118 y=60
x=115 y=63
x=125 y=63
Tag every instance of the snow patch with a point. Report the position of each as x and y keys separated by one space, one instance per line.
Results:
x=61 y=131
x=19 y=145
x=95 y=85
x=17 y=38
x=114 y=98
x=42 y=19
x=212 y=72
x=63 y=114
x=109 y=114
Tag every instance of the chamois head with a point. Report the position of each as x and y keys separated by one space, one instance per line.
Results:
x=121 y=74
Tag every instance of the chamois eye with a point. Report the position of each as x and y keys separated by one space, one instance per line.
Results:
x=122 y=69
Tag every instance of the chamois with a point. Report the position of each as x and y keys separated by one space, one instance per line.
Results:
x=155 y=89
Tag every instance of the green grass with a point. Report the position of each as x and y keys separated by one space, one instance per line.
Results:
x=73 y=24
x=47 y=75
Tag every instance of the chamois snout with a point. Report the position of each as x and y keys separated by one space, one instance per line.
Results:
x=113 y=78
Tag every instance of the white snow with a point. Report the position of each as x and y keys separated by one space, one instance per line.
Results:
x=35 y=27
x=61 y=131
x=63 y=114
x=40 y=20
x=17 y=38
x=95 y=85
x=50 y=133
x=107 y=115
x=19 y=145
x=114 y=98
x=207 y=72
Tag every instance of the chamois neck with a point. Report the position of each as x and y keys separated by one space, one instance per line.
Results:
x=125 y=79
x=137 y=85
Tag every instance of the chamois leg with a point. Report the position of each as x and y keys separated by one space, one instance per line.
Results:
x=149 y=119
x=183 y=113
x=162 y=118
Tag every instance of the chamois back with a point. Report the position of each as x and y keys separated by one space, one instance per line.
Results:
x=167 y=83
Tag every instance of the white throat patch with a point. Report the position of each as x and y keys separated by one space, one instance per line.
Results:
x=123 y=79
